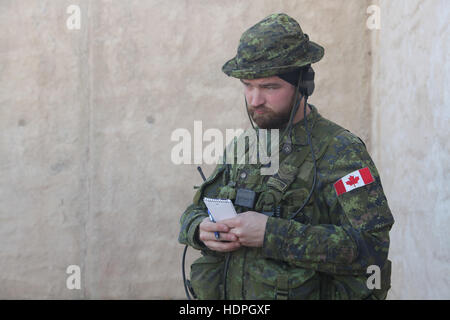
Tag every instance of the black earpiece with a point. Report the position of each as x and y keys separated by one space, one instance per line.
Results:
x=306 y=85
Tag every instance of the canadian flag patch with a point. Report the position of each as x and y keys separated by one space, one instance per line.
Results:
x=354 y=180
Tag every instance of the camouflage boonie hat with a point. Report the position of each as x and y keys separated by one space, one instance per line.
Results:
x=273 y=46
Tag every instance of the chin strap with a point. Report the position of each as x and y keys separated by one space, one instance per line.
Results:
x=287 y=146
x=248 y=113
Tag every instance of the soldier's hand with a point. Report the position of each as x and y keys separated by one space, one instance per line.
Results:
x=249 y=227
x=227 y=241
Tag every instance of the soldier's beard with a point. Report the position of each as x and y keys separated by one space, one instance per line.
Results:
x=269 y=119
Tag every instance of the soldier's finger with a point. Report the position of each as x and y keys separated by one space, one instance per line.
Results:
x=232 y=223
x=213 y=227
x=222 y=246
x=223 y=236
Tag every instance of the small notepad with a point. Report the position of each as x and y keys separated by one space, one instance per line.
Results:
x=220 y=209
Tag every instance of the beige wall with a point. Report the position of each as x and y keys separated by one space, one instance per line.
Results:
x=410 y=132
x=87 y=117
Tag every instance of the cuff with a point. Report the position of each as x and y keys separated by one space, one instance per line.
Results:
x=275 y=238
x=193 y=234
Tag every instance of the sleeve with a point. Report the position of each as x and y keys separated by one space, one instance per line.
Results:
x=360 y=235
x=196 y=212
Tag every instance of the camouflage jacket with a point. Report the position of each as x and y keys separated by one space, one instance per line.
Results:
x=325 y=251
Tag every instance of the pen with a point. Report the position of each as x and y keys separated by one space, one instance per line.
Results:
x=216 y=233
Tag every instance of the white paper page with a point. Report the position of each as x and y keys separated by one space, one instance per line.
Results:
x=220 y=209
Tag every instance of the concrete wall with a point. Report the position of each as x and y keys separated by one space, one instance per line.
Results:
x=87 y=117
x=410 y=132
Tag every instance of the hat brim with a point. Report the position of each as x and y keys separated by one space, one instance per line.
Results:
x=314 y=54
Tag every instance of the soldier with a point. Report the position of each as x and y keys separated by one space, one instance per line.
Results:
x=316 y=225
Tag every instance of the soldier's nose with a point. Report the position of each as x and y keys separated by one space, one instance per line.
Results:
x=256 y=98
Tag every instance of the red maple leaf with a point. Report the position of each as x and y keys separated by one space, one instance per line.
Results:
x=352 y=180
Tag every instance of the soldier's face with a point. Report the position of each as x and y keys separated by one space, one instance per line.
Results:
x=269 y=101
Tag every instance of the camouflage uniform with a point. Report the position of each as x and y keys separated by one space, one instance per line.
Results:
x=324 y=252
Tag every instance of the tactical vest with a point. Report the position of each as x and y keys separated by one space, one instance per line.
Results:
x=249 y=275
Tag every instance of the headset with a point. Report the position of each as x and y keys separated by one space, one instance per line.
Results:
x=304 y=89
